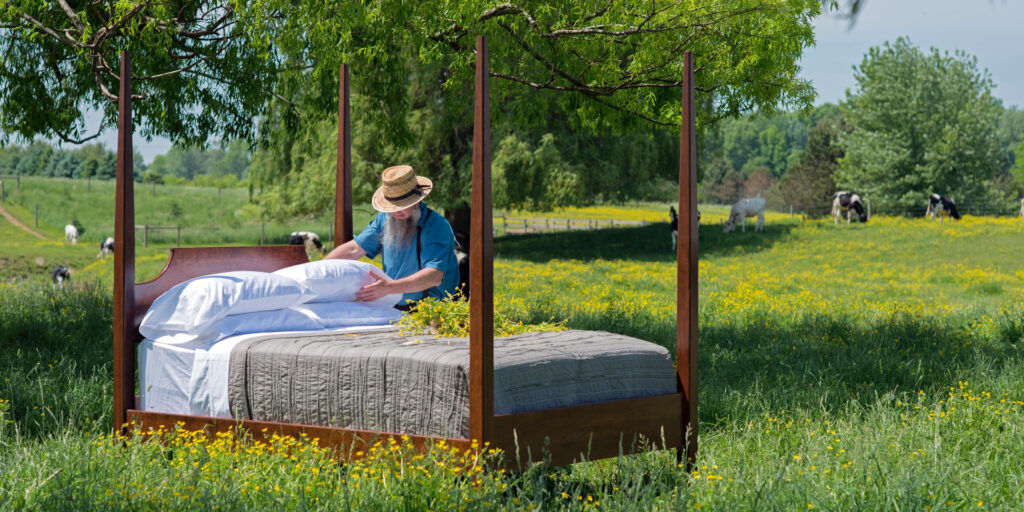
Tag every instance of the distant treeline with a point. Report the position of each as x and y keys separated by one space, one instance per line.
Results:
x=745 y=157
x=750 y=156
x=223 y=166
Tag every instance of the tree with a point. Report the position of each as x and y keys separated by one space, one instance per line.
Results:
x=610 y=67
x=921 y=123
x=196 y=73
x=209 y=68
x=808 y=184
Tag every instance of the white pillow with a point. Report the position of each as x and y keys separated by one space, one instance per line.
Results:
x=288 y=319
x=334 y=315
x=337 y=280
x=194 y=305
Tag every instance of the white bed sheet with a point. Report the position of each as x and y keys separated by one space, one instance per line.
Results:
x=192 y=378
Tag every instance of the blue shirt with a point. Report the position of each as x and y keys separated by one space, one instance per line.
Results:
x=437 y=242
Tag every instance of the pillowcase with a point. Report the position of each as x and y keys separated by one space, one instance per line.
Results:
x=288 y=319
x=334 y=315
x=337 y=280
x=193 y=306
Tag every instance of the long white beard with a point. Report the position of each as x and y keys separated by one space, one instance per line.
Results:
x=400 y=233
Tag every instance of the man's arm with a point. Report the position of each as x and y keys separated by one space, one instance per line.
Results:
x=347 y=251
x=417 y=282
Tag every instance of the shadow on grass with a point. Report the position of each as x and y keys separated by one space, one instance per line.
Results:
x=645 y=243
x=764 y=364
x=828 y=363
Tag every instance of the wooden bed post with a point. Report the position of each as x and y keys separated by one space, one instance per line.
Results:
x=124 y=257
x=343 y=183
x=686 y=264
x=481 y=262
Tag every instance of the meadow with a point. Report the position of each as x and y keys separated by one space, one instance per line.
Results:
x=870 y=366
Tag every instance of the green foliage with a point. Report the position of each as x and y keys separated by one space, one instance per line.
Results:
x=809 y=185
x=592 y=68
x=1018 y=167
x=921 y=123
x=40 y=158
x=534 y=178
x=196 y=72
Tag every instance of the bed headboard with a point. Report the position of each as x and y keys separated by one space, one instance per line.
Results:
x=188 y=262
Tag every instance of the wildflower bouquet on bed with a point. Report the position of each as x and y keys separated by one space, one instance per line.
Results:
x=450 y=318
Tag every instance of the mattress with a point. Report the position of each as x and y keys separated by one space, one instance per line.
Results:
x=378 y=379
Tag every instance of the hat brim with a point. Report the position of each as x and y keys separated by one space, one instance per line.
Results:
x=383 y=204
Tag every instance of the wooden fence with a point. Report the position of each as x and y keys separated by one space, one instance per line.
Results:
x=537 y=225
x=147 y=228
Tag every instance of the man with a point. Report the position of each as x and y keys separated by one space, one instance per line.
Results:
x=416 y=244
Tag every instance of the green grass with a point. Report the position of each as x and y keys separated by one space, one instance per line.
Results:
x=857 y=367
x=206 y=215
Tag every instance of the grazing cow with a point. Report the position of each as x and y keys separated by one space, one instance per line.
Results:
x=674 y=227
x=106 y=247
x=307 y=238
x=941 y=206
x=844 y=201
x=462 y=257
x=71 y=234
x=59 y=274
x=744 y=208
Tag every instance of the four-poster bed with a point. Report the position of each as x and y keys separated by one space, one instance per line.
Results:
x=594 y=430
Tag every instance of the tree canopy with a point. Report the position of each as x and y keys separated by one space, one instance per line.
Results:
x=208 y=69
x=921 y=123
x=196 y=74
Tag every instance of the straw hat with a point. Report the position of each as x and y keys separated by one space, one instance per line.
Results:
x=401 y=189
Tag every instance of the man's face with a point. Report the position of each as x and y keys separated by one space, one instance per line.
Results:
x=404 y=213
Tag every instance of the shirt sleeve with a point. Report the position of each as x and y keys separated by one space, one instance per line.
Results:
x=438 y=245
x=369 y=239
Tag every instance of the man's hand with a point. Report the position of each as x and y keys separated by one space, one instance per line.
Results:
x=375 y=290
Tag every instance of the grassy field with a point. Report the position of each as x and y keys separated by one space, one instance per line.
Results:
x=873 y=366
x=206 y=215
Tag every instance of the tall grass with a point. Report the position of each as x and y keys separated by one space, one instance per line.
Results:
x=886 y=377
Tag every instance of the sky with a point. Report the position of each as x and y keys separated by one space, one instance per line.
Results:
x=987 y=29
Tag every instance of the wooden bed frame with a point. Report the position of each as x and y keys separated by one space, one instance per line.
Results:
x=565 y=435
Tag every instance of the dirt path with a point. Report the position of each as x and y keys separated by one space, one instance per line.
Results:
x=18 y=223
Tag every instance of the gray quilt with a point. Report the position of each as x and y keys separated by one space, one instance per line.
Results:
x=388 y=382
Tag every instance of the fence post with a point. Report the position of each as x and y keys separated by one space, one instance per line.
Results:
x=145 y=235
x=261 y=233
x=525 y=228
x=547 y=227
x=19 y=182
x=3 y=193
x=179 y=235
x=37 y=215
x=791 y=211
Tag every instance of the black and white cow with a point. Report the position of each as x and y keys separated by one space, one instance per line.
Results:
x=106 y=247
x=843 y=201
x=462 y=257
x=673 y=218
x=941 y=206
x=308 y=238
x=59 y=274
